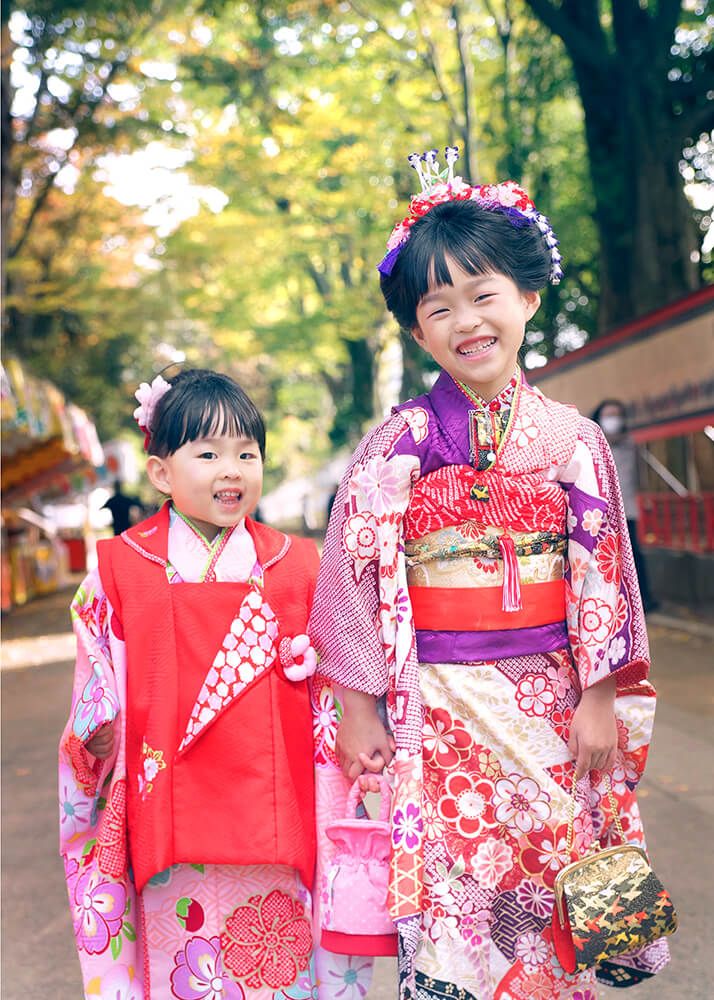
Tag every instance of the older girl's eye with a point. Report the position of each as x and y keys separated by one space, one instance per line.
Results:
x=438 y=312
x=482 y=298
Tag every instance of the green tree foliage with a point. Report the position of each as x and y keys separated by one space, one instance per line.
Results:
x=296 y=116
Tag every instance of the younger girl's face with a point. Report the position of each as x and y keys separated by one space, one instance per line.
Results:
x=474 y=328
x=214 y=481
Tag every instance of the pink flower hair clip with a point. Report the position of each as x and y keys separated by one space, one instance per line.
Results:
x=439 y=186
x=149 y=396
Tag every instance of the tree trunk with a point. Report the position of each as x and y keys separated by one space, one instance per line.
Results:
x=646 y=227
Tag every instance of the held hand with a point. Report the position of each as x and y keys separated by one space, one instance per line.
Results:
x=102 y=743
x=593 y=732
x=362 y=742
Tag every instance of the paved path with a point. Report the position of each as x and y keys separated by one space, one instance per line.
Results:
x=38 y=959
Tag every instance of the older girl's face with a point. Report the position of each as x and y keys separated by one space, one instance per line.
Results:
x=474 y=328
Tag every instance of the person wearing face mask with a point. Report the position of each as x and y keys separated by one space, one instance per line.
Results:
x=610 y=415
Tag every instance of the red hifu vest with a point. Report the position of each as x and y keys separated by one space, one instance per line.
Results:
x=241 y=792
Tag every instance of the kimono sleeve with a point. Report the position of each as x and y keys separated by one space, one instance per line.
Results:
x=95 y=702
x=345 y=626
x=606 y=625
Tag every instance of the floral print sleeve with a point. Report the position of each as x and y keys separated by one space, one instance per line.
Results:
x=92 y=800
x=604 y=611
x=353 y=625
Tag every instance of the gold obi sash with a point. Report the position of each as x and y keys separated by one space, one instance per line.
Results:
x=473 y=577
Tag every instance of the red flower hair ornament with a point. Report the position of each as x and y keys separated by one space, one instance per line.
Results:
x=439 y=186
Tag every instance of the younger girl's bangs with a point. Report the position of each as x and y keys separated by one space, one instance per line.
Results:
x=205 y=404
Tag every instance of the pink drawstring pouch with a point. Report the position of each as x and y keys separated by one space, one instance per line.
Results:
x=355 y=917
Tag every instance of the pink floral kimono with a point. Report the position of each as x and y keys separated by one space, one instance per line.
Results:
x=477 y=571
x=195 y=931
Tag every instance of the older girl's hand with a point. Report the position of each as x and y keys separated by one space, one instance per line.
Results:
x=593 y=731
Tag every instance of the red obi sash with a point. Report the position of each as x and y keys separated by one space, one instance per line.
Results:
x=240 y=791
x=477 y=609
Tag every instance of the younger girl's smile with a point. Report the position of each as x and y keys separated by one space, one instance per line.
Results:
x=215 y=481
x=474 y=327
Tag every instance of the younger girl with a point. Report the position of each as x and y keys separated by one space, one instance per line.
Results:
x=477 y=570
x=186 y=772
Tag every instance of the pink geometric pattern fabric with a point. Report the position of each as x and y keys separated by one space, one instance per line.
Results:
x=247 y=651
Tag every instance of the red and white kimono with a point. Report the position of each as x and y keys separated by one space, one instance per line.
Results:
x=477 y=570
x=189 y=854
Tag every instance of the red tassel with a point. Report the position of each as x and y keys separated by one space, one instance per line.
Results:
x=511 y=576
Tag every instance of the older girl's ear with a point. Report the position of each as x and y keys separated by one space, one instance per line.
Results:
x=532 y=301
x=159 y=474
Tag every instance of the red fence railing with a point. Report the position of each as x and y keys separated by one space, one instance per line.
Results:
x=673 y=522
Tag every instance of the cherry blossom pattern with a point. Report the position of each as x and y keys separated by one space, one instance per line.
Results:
x=267 y=941
x=359 y=536
x=466 y=803
x=545 y=853
x=97 y=909
x=246 y=653
x=446 y=742
x=592 y=521
x=492 y=861
x=407 y=827
x=520 y=803
x=75 y=806
x=198 y=972
x=379 y=485
x=152 y=761
x=96 y=705
x=418 y=420
x=535 y=695
x=524 y=431
x=596 y=619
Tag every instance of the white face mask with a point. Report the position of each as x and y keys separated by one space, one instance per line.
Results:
x=612 y=425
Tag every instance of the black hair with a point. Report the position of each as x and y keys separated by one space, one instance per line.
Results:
x=597 y=412
x=478 y=240
x=203 y=403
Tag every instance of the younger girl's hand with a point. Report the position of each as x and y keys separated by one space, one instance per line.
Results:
x=362 y=743
x=593 y=731
x=101 y=744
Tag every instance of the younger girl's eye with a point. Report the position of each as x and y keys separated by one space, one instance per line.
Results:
x=207 y=454
x=247 y=455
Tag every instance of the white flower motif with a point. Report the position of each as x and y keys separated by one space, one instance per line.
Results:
x=592 y=521
x=535 y=695
x=617 y=650
x=521 y=803
x=532 y=950
x=524 y=431
x=148 y=397
x=418 y=420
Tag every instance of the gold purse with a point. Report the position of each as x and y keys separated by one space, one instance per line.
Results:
x=608 y=902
